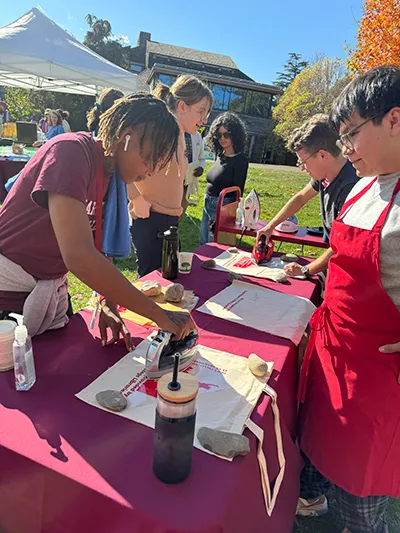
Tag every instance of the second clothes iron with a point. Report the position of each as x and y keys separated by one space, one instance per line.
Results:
x=163 y=347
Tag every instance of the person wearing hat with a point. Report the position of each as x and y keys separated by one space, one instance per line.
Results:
x=45 y=121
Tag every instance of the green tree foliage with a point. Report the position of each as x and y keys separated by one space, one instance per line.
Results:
x=293 y=66
x=312 y=91
x=20 y=104
x=101 y=40
x=30 y=105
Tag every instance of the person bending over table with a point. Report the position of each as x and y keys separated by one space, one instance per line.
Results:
x=227 y=139
x=349 y=384
x=332 y=177
x=155 y=205
x=45 y=230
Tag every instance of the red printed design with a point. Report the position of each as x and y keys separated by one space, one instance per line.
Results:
x=244 y=263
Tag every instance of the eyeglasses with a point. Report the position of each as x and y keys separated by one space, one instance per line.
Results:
x=225 y=135
x=203 y=113
x=346 y=140
x=301 y=163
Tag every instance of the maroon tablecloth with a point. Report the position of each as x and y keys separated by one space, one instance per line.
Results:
x=8 y=169
x=67 y=467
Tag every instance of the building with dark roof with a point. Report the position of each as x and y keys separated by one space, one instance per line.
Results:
x=233 y=90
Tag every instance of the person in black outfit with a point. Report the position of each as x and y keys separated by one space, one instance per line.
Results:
x=227 y=139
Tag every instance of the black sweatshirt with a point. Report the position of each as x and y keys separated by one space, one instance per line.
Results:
x=227 y=172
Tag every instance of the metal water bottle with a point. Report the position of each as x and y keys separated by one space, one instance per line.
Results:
x=170 y=249
x=174 y=426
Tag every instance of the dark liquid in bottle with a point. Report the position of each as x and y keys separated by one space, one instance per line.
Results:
x=173 y=445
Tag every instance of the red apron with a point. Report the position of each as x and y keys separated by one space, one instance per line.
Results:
x=350 y=417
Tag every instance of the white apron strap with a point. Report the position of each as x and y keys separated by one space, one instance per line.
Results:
x=269 y=499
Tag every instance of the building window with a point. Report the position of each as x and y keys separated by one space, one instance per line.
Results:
x=258 y=104
x=221 y=95
x=237 y=103
x=167 y=79
x=136 y=68
x=253 y=103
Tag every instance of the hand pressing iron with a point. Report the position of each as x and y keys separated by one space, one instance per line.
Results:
x=262 y=251
x=162 y=349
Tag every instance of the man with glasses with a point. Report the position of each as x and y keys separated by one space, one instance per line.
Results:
x=332 y=177
x=349 y=388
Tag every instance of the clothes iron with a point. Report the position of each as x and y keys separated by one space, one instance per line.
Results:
x=262 y=250
x=163 y=348
x=290 y=225
x=251 y=210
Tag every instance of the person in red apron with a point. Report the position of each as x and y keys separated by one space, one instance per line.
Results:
x=349 y=385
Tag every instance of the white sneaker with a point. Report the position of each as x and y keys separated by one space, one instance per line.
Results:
x=316 y=507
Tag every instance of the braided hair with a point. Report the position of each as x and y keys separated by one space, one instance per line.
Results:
x=235 y=126
x=150 y=117
x=104 y=102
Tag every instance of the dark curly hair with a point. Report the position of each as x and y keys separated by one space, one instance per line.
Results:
x=236 y=128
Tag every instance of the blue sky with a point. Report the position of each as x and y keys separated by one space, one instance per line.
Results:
x=257 y=34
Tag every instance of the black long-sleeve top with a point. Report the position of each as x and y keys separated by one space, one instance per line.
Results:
x=227 y=172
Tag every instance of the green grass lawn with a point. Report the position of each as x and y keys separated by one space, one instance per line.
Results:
x=274 y=185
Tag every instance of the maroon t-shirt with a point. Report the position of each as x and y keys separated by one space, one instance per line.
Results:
x=68 y=165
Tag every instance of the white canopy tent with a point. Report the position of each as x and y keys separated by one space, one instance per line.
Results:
x=35 y=53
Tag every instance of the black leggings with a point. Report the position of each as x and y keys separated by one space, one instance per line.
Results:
x=147 y=244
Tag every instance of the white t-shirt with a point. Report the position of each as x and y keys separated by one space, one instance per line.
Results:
x=66 y=126
x=365 y=213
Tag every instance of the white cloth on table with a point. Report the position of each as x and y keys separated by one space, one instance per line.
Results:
x=263 y=309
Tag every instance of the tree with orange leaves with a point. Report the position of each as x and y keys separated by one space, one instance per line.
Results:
x=378 y=39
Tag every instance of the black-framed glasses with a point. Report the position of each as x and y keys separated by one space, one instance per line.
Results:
x=225 y=135
x=346 y=140
x=301 y=163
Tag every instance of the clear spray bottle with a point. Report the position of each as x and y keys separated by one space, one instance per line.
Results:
x=24 y=365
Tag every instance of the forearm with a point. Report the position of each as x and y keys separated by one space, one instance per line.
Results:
x=293 y=206
x=100 y=275
x=320 y=264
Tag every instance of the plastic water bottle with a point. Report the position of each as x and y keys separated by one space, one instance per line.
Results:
x=174 y=426
x=240 y=214
x=24 y=365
